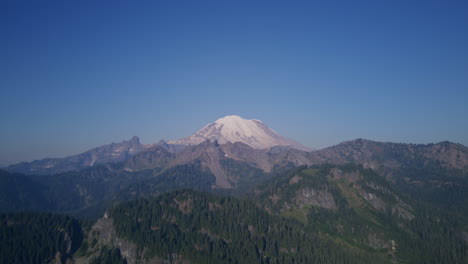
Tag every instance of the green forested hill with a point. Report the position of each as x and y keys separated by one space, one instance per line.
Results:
x=205 y=228
x=318 y=214
x=38 y=237
x=432 y=173
x=21 y=192
x=361 y=208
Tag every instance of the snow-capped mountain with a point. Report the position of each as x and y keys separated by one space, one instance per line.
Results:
x=236 y=129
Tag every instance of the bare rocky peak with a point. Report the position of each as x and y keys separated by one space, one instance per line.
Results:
x=237 y=129
x=375 y=155
x=114 y=152
x=173 y=148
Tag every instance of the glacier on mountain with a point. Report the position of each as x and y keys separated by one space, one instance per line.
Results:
x=234 y=128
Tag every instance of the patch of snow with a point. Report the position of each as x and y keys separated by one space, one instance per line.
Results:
x=234 y=128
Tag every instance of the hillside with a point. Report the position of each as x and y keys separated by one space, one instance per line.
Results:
x=38 y=238
x=327 y=214
x=358 y=206
x=434 y=173
x=191 y=227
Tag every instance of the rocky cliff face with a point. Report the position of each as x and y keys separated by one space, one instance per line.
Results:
x=103 y=236
x=152 y=158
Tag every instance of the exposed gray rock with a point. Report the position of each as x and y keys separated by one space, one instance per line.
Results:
x=373 y=200
x=375 y=242
x=385 y=156
x=310 y=197
x=103 y=234
x=295 y=179
x=338 y=174
x=403 y=211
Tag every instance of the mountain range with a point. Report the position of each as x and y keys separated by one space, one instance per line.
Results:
x=377 y=201
x=237 y=166
x=230 y=129
x=113 y=152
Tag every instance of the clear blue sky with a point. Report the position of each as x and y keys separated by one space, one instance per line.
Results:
x=77 y=74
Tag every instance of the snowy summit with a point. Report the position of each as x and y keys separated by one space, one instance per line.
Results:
x=234 y=128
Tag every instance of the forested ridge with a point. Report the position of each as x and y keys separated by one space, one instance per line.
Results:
x=38 y=237
x=209 y=229
x=318 y=214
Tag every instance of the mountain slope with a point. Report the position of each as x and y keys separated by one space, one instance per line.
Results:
x=236 y=129
x=420 y=171
x=151 y=172
x=435 y=173
x=346 y=214
x=387 y=155
x=38 y=238
x=21 y=192
x=113 y=152
x=192 y=227
x=359 y=207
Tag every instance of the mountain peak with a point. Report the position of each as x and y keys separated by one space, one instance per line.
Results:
x=234 y=128
x=113 y=152
x=135 y=140
x=229 y=117
x=233 y=119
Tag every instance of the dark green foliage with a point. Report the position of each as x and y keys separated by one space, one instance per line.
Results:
x=37 y=237
x=209 y=229
x=246 y=175
x=81 y=189
x=178 y=177
x=206 y=228
x=87 y=193
x=348 y=222
x=20 y=192
x=434 y=184
x=109 y=256
x=66 y=192
x=432 y=236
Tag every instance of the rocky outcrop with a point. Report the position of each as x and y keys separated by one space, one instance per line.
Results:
x=310 y=197
x=374 y=241
x=103 y=234
x=373 y=200
x=372 y=193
